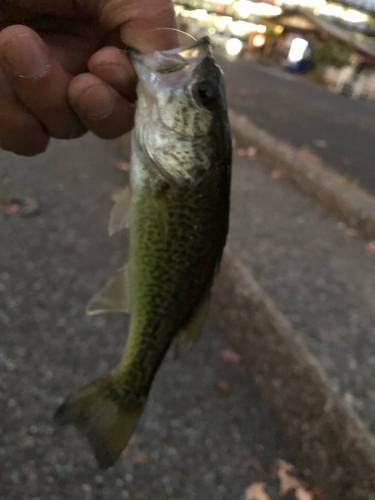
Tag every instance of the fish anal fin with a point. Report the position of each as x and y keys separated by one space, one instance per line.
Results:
x=193 y=329
x=114 y=297
x=120 y=212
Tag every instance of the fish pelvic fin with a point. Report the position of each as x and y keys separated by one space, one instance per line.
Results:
x=105 y=415
x=193 y=329
x=119 y=218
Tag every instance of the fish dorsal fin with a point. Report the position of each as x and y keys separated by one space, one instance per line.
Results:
x=114 y=297
x=120 y=212
x=193 y=329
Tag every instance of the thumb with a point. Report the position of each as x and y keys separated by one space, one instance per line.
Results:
x=142 y=23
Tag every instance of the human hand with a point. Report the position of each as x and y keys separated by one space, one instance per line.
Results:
x=62 y=70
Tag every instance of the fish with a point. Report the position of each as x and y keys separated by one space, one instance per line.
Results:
x=177 y=210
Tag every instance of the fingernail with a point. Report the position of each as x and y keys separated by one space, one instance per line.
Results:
x=27 y=56
x=97 y=102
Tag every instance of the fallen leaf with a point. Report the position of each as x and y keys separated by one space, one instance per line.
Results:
x=370 y=247
x=237 y=436
x=256 y=492
x=229 y=355
x=351 y=231
x=13 y=208
x=123 y=165
x=252 y=463
x=316 y=493
x=302 y=494
x=224 y=387
x=140 y=496
x=287 y=481
x=140 y=458
x=251 y=152
x=277 y=174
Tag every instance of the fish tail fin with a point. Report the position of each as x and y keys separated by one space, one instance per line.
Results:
x=105 y=415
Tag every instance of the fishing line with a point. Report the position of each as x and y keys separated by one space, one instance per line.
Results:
x=129 y=50
x=175 y=29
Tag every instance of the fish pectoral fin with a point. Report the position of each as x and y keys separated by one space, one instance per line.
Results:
x=120 y=212
x=114 y=297
x=105 y=415
x=193 y=329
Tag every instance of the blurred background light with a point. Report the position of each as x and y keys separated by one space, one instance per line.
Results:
x=297 y=50
x=200 y=14
x=259 y=41
x=222 y=22
x=353 y=16
x=241 y=28
x=233 y=46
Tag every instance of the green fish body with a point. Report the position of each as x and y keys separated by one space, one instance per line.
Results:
x=178 y=214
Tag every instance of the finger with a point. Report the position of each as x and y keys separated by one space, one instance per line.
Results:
x=113 y=67
x=141 y=23
x=71 y=51
x=20 y=132
x=100 y=107
x=72 y=41
x=6 y=91
x=38 y=80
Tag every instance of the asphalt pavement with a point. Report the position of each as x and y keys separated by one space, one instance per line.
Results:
x=338 y=129
x=206 y=432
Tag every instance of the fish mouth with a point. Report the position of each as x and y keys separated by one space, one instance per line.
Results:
x=170 y=61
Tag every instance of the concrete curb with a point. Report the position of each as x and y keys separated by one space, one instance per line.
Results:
x=339 y=197
x=326 y=433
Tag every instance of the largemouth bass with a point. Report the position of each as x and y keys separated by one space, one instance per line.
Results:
x=178 y=214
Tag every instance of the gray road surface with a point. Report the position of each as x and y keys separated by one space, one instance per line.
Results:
x=337 y=128
x=204 y=418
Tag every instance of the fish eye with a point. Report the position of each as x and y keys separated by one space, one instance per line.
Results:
x=205 y=93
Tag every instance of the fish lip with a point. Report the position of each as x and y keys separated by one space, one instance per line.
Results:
x=172 y=60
